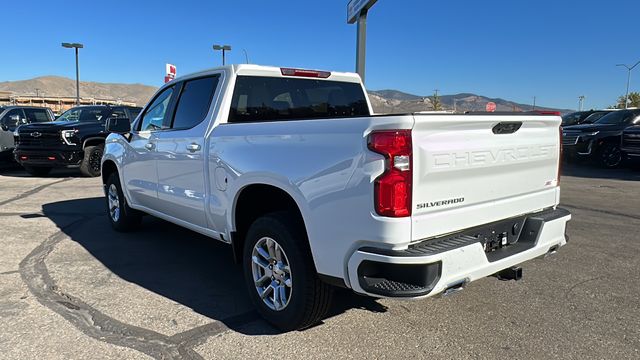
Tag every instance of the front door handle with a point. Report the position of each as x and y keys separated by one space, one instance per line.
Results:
x=193 y=147
x=149 y=146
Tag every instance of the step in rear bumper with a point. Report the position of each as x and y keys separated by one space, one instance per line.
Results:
x=433 y=266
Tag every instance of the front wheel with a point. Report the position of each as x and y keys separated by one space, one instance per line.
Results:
x=610 y=156
x=90 y=165
x=280 y=275
x=37 y=170
x=122 y=217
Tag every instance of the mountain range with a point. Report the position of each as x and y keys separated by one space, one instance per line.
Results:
x=383 y=101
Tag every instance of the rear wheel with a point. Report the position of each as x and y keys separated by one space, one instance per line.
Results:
x=122 y=217
x=280 y=275
x=90 y=165
x=610 y=156
x=37 y=170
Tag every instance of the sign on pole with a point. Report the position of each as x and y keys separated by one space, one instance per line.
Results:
x=170 y=73
x=491 y=106
x=355 y=7
x=357 y=12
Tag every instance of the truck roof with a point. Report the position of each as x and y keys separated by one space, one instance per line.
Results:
x=271 y=71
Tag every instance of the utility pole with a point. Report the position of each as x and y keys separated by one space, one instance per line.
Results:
x=580 y=102
x=534 y=104
x=37 y=92
x=75 y=46
x=223 y=48
x=629 y=68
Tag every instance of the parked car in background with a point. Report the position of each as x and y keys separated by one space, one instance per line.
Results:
x=290 y=168
x=13 y=116
x=631 y=142
x=583 y=117
x=74 y=140
x=599 y=141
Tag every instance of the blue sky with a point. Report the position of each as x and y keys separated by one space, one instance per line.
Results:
x=553 y=49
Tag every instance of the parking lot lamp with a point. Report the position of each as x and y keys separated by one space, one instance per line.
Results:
x=629 y=68
x=75 y=46
x=223 y=48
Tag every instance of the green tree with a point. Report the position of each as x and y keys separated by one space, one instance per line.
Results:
x=634 y=100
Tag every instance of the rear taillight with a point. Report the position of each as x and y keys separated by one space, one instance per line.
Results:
x=393 y=187
x=305 y=73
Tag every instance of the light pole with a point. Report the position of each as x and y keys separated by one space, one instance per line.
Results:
x=629 y=68
x=534 y=104
x=580 y=102
x=223 y=48
x=75 y=46
x=246 y=57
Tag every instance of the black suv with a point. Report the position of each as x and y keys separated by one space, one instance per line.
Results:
x=600 y=141
x=75 y=139
x=13 y=116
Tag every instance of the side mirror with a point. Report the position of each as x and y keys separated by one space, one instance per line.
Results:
x=118 y=125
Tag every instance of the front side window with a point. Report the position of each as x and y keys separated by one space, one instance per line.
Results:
x=194 y=102
x=37 y=115
x=156 y=112
x=271 y=98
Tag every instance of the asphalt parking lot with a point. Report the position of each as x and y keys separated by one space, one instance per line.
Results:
x=70 y=287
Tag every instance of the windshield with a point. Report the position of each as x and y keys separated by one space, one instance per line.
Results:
x=617 y=117
x=594 y=117
x=85 y=114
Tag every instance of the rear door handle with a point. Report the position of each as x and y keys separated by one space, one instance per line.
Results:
x=193 y=147
x=149 y=146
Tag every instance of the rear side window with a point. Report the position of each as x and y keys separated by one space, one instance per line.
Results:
x=193 y=104
x=37 y=115
x=271 y=98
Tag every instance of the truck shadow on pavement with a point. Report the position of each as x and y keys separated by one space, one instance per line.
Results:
x=176 y=263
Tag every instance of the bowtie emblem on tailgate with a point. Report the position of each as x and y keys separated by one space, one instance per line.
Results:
x=507 y=127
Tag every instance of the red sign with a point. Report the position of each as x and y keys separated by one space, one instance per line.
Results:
x=491 y=106
x=170 y=72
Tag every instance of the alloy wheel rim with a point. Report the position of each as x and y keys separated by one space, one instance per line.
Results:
x=114 y=203
x=271 y=273
x=612 y=157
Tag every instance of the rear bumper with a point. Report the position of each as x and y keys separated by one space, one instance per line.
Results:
x=433 y=266
x=49 y=158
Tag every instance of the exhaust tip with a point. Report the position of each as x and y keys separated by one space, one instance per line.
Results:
x=455 y=288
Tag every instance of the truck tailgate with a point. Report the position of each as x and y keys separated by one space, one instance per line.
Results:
x=468 y=173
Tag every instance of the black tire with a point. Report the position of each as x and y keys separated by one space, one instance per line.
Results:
x=90 y=165
x=310 y=298
x=610 y=156
x=37 y=170
x=127 y=218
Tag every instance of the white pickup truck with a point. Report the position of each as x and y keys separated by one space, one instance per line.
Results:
x=312 y=190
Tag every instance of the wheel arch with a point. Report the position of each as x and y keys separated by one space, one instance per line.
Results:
x=246 y=210
x=93 y=141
